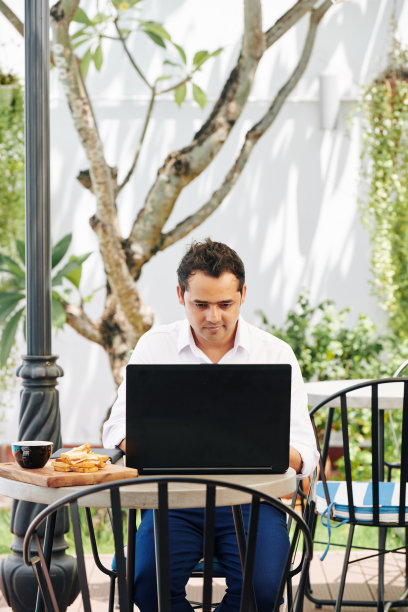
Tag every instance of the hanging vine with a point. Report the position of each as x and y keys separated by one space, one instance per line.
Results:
x=11 y=162
x=11 y=201
x=384 y=169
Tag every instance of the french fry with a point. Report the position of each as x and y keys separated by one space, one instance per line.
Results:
x=87 y=470
x=102 y=458
x=60 y=466
x=84 y=464
x=84 y=447
x=73 y=457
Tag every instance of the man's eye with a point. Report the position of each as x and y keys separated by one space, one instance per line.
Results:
x=225 y=305
x=201 y=306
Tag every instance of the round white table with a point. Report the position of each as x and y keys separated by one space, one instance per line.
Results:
x=145 y=495
x=181 y=495
x=389 y=395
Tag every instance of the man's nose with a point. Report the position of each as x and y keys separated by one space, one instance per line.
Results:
x=213 y=313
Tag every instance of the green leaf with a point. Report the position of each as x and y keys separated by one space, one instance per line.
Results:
x=81 y=17
x=181 y=52
x=75 y=262
x=199 y=95
x=79 y=43
x=80 y=32
x=170 y=63
x=165 y=77
x=75 y=276
x=60 y=249
x=8 y=336
x=11 y=267
x=200 y=57
x=86 y=60
x=21 y=250
x=58 y=315
x=91 y=295
x=155 y=28
x=100 y=18
x=180 y=94
x=8 y=302
x=156 y=39
x=216 y=52
x=98 y=57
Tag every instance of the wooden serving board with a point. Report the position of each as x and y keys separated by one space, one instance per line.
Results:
x=48 y=477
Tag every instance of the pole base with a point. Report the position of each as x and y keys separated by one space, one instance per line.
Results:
x=19 y=586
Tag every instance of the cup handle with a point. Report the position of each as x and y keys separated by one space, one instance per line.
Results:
x=26 y=457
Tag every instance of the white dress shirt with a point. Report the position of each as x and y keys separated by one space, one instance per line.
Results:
x=174 y=343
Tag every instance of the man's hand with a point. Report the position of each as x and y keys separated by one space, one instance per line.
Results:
x=122 y=445
x=295 y=459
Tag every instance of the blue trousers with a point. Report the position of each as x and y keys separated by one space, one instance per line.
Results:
x=186 y=549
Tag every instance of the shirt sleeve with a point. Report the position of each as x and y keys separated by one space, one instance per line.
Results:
x=301 y=431
x=114 y=429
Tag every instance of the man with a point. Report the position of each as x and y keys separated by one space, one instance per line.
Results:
x=211 y=287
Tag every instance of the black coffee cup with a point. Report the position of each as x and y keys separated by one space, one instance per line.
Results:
x=32 y=453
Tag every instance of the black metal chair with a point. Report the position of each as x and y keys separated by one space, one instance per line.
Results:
x=38 y=554
x=372 y=501
x=395 y=465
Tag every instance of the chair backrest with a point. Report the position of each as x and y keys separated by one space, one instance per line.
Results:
x=361 y=413
x=246 y=545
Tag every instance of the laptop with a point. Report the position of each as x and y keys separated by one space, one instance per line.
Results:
x=208 y=418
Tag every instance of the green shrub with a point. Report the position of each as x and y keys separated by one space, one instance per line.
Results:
x=328 y=349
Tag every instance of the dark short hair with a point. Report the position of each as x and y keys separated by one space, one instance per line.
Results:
x=212 y=258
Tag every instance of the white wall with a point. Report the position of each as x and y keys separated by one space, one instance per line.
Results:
x=293 y=214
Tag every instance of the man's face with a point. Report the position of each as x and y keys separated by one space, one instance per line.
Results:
x=212 y=307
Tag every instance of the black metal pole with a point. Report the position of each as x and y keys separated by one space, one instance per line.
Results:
x=39 y=410
x=37 y=130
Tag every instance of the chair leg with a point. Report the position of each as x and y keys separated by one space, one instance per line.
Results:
x=339 y=600
x=382 y=535
x=406 y=557
x=289 y=594
x=112 y=593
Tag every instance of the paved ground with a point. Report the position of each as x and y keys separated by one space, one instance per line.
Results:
x=362 y=582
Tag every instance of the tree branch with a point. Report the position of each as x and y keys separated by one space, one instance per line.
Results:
x=182 y=166
x=105 y=222
x=78 y=320
x=173 y=87
x=141 y=140
x=130 y=56
x=253 y=135
x=12 y=17
x=288 y=20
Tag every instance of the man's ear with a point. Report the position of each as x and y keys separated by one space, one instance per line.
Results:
x=180 y=295
x=243 y=294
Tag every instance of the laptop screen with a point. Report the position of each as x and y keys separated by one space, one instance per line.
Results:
x=208 y=418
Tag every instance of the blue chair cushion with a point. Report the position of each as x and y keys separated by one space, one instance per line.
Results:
x=363 y=500
x=388 y=493
x=218 y=569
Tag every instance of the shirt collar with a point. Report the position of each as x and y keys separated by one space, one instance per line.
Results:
x=185 y=337
x=242 y=335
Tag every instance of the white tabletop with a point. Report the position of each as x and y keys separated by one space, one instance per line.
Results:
x=181 y=495
x=389 y=394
